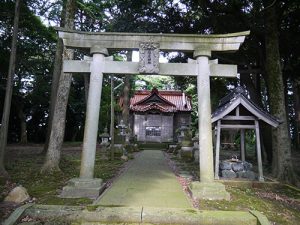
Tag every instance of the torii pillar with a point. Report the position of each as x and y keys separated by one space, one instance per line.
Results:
x=86 y=185
x=206 y=188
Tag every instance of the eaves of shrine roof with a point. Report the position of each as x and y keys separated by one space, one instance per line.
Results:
x=239 y=97
x=161 y=100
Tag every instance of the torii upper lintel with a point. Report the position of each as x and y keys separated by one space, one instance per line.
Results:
x=168 y=42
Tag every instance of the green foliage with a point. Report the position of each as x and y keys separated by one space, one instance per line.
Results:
x=148 y=82
x=34 y=63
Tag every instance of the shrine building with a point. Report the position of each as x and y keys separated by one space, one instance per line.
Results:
x=156 y=115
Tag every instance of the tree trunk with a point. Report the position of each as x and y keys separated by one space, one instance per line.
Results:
x=282 y=164
x=297 y=112
x=58 y=122
x=9 y=90
x=254 y=87
x=86 y=78
x=54 y=87
x=125 y=108
x=23 y=125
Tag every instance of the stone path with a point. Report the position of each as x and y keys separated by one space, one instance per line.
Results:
x=147 y=182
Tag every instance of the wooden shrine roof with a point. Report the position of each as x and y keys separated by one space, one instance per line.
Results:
x=238 y=97
x=161 y=100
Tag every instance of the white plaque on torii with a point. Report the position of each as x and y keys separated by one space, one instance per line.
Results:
x=149 y=58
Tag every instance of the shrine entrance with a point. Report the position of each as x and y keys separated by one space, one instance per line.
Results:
x=149 y=46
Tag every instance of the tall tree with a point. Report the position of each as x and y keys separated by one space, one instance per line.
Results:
x=282 y=165
x=55 y=80
x=297 y=112
x=58 y=122
x=9 y=89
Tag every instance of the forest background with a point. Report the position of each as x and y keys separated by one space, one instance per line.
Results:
x=268 y=62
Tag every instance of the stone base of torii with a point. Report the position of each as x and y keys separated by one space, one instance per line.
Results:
x=149 y=46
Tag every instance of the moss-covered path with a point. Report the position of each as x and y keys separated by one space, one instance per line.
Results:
x=148 y=182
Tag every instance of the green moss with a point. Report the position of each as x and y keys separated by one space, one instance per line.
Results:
x=190 y=211
x=111 y=206
x=91 y=208
x=245 y=198
x=25 y=170
x=248 y=199
x=187 y=143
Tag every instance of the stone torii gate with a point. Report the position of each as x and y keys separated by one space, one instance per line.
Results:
x=149 y=46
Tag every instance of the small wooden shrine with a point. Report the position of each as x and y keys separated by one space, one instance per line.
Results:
x=237 y=111
x=156 y=115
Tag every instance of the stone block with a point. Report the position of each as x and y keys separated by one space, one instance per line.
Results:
x=250 y=175
x=209 y=191
x=247 y=165
x=228 y=174
x=238 y=166
x=224 y=165
x=17 y=195
x=187 y=153
x=82 y=188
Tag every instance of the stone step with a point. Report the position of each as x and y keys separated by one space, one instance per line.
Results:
x=152 y=145
x=146 y=215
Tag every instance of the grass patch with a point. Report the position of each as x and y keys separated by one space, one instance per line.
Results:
x=280 y=203
x=24 y=169
x=273 y=203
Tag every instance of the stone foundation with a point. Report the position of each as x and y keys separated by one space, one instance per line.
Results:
x=236 y=169
x=82 y=188
x=209 y=191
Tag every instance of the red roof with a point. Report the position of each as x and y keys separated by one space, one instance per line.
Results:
x=164 y=101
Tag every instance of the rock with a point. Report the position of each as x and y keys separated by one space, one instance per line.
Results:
x=247 y=166
x=224 y=165
x=250 y=175
x=17 y=195
x=236 y=167
x=124 y=157
x=228 y=174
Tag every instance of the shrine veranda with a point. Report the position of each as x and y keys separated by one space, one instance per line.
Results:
x=149 y=46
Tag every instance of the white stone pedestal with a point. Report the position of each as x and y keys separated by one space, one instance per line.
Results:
x=82 y=188
x=209 y=191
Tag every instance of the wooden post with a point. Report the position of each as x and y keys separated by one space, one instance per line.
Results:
x=258 y=149
x=217 y=150
x=243 y=145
